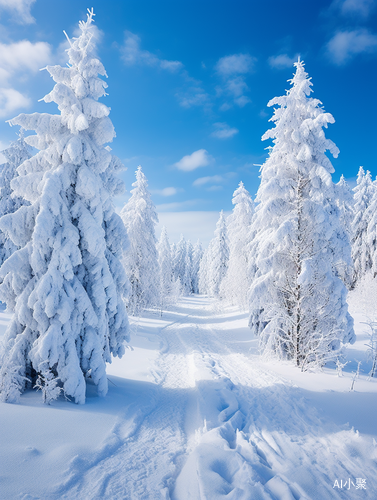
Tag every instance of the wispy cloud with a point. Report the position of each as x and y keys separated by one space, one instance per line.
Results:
x=168 y=191
x=193 y=96
x=233 y=70
x=361 y=8
x=20 y=9
x=17 y=61
x=345 y=45
x=11 y=100
x=21 y=57
x=179 y=205
x=223 y=131
x=213 y=179
x=132 y=54
x=197 y=159
x=282 y=61
x=235 y=64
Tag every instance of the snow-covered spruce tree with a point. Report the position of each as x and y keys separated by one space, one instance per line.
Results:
x=297 y=303
x=181 y=262
x=204 y=270
x=235 y=285
x=188 y=268
x=197 y=255
x=141 y=260
x=66 y=282
x=362 y=242
x=15 y=154
x=165 y=269
x=345 y=202
x=218 y=257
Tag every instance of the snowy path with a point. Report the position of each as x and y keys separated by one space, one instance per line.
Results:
x=214 y=422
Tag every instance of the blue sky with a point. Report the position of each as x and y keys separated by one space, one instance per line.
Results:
x=189 y=84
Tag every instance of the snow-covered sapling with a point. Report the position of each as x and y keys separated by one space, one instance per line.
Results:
x=356 y=375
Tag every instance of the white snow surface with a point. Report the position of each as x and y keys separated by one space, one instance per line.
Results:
x=193 y=412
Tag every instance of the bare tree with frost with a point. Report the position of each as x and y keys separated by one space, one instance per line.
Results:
x=298 y=304
x=15 y=154
x=235 y=285
x=363 y=239
x=66 y=282
x=141 y=260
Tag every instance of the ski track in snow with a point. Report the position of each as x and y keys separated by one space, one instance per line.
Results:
x=216 y=424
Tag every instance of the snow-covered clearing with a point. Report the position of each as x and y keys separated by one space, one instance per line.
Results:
x=193 y=413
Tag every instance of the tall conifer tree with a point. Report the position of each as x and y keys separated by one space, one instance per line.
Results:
x=66 y=282
x=141 y=260
x=297 y=303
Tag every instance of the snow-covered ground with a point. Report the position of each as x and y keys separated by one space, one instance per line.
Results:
x=194 y=413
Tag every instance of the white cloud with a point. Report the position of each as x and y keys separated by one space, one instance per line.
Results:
x=10 y=100
x=132 y=54
x=194 y=225
x=360 y=8
x=197 y=159
x=282 y=61
x=208 y=179
x=23 y=56
x=168 y=191
x=346 y=44
x=20 y=10
x=224 y=131
x=235 y=64
x=233 y=70
x=194 y=96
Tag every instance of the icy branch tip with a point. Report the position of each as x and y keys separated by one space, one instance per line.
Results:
x=84 y=25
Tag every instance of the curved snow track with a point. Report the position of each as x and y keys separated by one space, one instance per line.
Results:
x=216 y=424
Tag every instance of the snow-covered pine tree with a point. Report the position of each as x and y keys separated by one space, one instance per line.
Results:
x=197 y=255
x=66 y=282
x=180 y=263
x=15 y=154
x=141 y=260
x=218 y=257
x=297 y=303
x=344 y=202
x=235 y=285
x=362 y=240
x=204 y=269
x=165 y=269
x=187 y=280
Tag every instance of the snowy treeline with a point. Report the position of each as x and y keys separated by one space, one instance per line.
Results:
x=158 y=272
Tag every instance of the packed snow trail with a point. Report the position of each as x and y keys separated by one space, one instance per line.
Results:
x=214 y=422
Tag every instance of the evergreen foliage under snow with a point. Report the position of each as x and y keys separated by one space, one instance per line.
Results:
x=15 y=154
x=363 y=219
x=298 y=304
x=65 y=282
x=141 y=260
x=235 y=285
